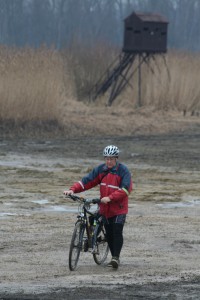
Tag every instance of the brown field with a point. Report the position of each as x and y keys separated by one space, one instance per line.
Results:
x=45 y=89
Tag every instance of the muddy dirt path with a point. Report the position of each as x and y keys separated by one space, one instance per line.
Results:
x=162 y=244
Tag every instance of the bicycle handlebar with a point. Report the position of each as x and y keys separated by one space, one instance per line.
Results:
x=84 y=200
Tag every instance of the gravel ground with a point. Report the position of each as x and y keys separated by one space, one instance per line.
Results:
x=161 y=235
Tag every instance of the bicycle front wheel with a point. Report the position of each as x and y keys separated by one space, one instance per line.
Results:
x=76 y=245
x=101 y=248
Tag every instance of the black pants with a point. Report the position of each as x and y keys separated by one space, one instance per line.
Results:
x=114 y=233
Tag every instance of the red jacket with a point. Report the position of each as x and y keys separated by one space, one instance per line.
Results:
x=115 y=183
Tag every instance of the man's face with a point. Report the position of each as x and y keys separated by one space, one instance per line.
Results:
x=110 y=161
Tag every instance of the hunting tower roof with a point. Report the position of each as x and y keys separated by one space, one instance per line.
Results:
x=147 y=17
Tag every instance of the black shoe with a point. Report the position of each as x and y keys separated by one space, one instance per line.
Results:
x=114 y=263
x=109 y=265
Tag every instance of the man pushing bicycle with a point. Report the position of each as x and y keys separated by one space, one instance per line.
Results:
x=115 y=183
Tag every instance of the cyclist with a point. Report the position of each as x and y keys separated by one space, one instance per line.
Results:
x=115 y=183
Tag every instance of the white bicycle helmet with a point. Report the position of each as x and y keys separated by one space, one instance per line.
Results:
x=111 y=151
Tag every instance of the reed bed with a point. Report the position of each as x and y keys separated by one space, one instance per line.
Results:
x=39 y=85
x=32 y=85
x=177 y=89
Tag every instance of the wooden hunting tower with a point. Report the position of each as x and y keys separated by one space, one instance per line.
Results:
x=145 y=35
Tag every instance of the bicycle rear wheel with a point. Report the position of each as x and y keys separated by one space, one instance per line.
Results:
x=76 y=245
x=101 y=248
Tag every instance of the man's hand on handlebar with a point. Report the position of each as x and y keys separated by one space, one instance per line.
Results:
x=105 y=200
x=68 y=192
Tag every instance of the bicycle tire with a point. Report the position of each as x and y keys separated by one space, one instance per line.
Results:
x=76 y=245
x=101 y=248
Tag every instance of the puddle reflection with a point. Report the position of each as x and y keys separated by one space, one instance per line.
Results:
x=190 y=203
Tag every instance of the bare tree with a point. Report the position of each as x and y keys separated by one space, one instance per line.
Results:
x=61 y=22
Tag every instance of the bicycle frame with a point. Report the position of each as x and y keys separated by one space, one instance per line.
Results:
x=82 y=216
x=84 y=219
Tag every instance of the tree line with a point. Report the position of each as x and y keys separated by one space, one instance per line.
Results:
x=60 y=23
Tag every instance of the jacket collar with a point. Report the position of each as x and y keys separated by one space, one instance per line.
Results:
x=113 y=169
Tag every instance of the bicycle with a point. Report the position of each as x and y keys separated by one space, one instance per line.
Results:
x=88 y=235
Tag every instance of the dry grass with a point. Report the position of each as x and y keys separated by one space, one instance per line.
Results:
x=87 y=65
x=181 y=91
x=43 y=85
x=32 y=85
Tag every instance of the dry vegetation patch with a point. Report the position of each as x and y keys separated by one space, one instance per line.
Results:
x=47 y=90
